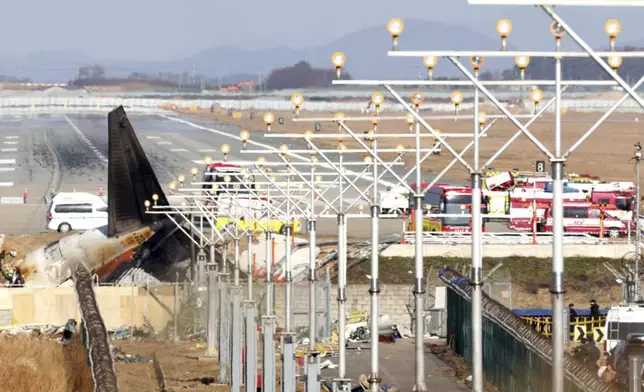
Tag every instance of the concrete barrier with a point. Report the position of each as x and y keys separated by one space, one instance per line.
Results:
x=613 y=251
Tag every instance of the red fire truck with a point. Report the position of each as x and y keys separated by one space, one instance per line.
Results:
x=525 y=201
x=448 y=199
x=586 y=217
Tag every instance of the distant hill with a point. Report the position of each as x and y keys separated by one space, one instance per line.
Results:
x=366 y=52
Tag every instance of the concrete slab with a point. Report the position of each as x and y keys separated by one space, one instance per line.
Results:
x=613 y=251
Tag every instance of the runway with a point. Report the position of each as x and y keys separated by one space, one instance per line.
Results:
x=69 y=152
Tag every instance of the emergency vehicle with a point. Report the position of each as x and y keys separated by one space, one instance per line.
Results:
x=621 y=195
x=394 y=201
x=524 y=201
x=586 y=217
x=240 y=201
x=448 y=199
x=621 y=321
x=495 y=187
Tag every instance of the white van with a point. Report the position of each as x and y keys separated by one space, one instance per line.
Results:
x=76 y=211
x=622 y=320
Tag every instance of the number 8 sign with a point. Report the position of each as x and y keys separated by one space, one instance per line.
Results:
x=541 y=166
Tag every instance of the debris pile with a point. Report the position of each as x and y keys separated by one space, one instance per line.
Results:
x=121 y=356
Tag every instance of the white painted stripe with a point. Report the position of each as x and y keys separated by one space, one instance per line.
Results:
x=6 y=169
x=10 y=142
x=198 y=161
x=208 y=150
x=86 y=140
x=7 y=161
x=153 y=137
x=163 y=143
x=7 y=184
x=9 y=150
x=11 y=137
x=179 y=150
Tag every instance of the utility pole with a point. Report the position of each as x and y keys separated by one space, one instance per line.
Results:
x=636 y=216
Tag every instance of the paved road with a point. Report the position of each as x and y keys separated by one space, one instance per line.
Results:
x=69 y=152
x=397 y=368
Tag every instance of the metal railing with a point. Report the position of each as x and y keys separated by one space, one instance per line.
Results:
x=510 y=238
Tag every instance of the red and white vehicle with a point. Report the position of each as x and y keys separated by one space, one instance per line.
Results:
x=448 y=199
x=524 y=201
x=585 y=217
x=621 y=195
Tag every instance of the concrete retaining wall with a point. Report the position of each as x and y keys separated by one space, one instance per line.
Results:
x=54 y=306
x=615 y=251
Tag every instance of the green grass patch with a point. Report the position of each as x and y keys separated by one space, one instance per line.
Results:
x=580 y=272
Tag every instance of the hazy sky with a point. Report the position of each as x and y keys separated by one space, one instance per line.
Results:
x=168 y=29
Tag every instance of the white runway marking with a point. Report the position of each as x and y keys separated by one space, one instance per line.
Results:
x=153 y=137
x=163 y=143
x=11 y=137
x=7 y=161
x=9 y=150
x=208 y=150
x=6 y=169
x=86 y=140
x=6 y=184
x=10 y=142
x=179 y=150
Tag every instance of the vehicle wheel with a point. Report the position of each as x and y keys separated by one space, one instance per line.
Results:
x=613 y=233
x=397 y=213
x=64 y=227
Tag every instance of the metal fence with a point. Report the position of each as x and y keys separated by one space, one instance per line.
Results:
x=516 y=358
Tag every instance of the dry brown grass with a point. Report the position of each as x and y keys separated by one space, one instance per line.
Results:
x=606 y=153
x=30 y=364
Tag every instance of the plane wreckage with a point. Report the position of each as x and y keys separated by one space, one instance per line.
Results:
x=132 y=238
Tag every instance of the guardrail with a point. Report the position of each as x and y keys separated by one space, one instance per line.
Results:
x=509 y=238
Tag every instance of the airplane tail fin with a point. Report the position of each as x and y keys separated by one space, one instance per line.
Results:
x=131 y=181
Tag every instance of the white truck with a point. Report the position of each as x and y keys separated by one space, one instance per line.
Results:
x=394 y=201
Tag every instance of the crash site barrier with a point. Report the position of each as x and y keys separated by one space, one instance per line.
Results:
x=100 y=358
x=592 y=328
x=509 y=238
x=516 y=358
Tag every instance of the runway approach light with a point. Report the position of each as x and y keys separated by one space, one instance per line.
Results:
x=194 y=171
x=284 y=149
x=615 y=62
x=504 y=28
x=400 y=148
x=395 y=27
x=375 y=121
x=260 y=162
x=225 y=149
x=417 y=98
x=244 y=135
x=339 y=116
x=537 y=96
x=369 y=135
x=613 y=28
x=147 y=205
x=318 y=178
x=477 y=62
x=368 y=159
x=338 y=59
x=269 y=118
x=410 y=121
x=207 y=161
x=155 y=197
x=558 y=31
x=377 y=99
x=457 y=98
x=181 y=179
x=522 y=62
x=430 y=62
x=172 y=185
x=297 y=100
x=227 y=178
x=482 y=118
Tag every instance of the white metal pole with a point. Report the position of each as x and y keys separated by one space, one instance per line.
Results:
x=288 y=267
x=477 y=261
x=374 y=288
x=342 y=339
x=313 y=370
x=636 y=215
x=557 y=246
x=419 y=282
